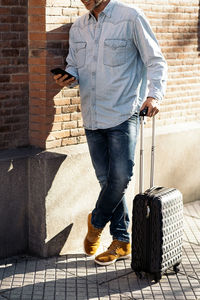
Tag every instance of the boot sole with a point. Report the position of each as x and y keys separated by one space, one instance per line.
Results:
x=113 y=261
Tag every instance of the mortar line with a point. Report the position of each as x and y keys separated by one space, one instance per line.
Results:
x=65 y=277
x=86 y=271
x=34 y=280
x=2 y=277
x=129 y=284
x=23 y=278
x=190 y=228
x=194 y=272
x=191 y=216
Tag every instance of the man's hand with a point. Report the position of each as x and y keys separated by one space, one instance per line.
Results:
x=60 y=80
x=153 y=106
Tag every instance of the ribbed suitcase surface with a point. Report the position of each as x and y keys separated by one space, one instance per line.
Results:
x=157 y=221
x=157 y=231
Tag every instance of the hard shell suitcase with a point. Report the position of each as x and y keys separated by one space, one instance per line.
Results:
x=157 y=224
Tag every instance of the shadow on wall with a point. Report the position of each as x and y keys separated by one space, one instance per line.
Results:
x=45 y=108
x=57 y=50
x=43 y=168
x=27 y=175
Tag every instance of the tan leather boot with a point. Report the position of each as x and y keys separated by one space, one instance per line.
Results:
x=92 y=239
x=117 y=250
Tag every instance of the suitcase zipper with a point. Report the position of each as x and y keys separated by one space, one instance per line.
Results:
x=148 y=231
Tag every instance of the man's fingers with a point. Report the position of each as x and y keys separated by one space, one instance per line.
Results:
x=62 y=80
x=143 y=107
x=150 y=112
x=56 y=77
x=155 y=110
x=152 y=105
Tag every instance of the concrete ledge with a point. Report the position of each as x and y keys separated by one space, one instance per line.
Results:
x=46 y=196
x=14 y=200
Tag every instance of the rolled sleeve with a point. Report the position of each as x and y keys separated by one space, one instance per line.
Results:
x=151 y=56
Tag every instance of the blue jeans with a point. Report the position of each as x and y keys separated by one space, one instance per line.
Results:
x=112 y=152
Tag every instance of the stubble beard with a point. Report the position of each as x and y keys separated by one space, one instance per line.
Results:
x=97 y=3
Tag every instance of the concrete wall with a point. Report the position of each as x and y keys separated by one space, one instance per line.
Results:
x=46 y=196
x=13 y=206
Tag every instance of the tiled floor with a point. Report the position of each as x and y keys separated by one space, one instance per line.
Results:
x=76 y=277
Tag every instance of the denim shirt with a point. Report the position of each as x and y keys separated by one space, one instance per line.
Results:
x=117 y=62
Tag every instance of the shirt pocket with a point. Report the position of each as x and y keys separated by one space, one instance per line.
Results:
x=114 y=52
x=80 y=53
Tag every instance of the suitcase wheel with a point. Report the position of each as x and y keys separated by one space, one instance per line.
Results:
x=176 y=269
x=157 y=277
x=139 y=275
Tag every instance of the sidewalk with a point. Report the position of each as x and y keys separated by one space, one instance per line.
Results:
x=76 y=277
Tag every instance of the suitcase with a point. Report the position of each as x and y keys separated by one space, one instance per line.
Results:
x=157 y=223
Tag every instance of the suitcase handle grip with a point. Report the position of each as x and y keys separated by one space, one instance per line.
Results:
x=144 y=112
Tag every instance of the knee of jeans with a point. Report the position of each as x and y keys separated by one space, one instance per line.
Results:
x=102 y=181
x=123 y=176
x=121 y=181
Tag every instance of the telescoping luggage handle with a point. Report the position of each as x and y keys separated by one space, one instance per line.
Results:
x=143 y=113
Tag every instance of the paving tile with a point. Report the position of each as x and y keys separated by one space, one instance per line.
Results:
x=77 y=277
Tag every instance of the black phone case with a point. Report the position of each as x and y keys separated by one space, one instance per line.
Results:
x=57 y=71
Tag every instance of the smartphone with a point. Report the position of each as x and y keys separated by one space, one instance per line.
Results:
x=57 y=71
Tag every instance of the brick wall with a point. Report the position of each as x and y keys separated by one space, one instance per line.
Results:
x=54 y=113
x=13 y=74
x=67 y=126
x=176 y=25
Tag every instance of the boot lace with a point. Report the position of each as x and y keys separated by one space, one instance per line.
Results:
x=114 y=247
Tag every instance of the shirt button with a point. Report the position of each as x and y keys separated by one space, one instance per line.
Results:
x=93 y=88
x=93 y=73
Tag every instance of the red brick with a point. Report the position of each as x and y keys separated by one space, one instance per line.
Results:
x=35 y=110
x=5 y=112
x=9 y=19
x=61 y=102
x=34 y=3
x=36 y=27
x=69 y=141
x=37 y=19
x=58 y=110
x=4 y=78
x=60 y=134
x=37 y=36
x=10 y=2
x=19 y=27
x=35 y=45
x=18 y=11
x=53 y=144
x=37 y=11
x=20 y=78
x=37 y=70
x=37 y=61
x=5 y=10
x=10 y=52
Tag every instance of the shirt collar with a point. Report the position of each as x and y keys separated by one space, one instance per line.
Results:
x=107 y=10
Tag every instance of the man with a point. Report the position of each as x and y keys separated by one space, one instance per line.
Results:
x=115 y=58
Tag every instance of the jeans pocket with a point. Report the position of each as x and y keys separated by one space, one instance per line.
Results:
x=134 y=118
